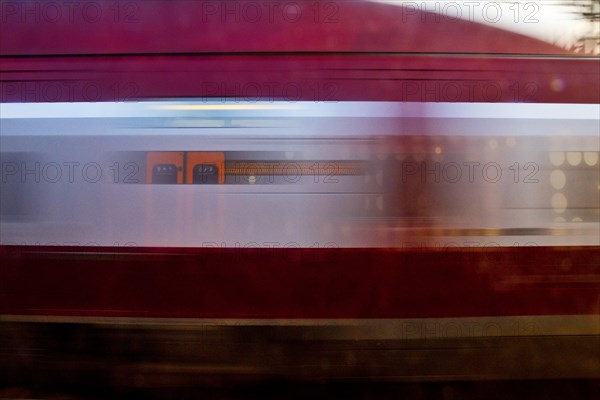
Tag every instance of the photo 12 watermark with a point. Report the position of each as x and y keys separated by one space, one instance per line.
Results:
x=469 y=172
x=455 y=91
x=491 y=12
x=269 y=245
x=69 y=172
x=70 y=243
x=70 y=12
x=440 y=329
x=271 y=12
x=466 y=244
x=255 y=91
x=50 y=91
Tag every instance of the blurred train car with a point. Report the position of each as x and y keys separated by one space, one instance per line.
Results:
x=215 y=191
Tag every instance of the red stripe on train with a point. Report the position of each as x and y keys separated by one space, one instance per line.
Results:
x=298 y=77
x=299 y=283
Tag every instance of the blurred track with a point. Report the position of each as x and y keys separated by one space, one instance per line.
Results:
x=417 y=323
x=162 y=360
x=166 y=355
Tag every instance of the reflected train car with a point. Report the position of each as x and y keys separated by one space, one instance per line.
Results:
x=289 y=195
